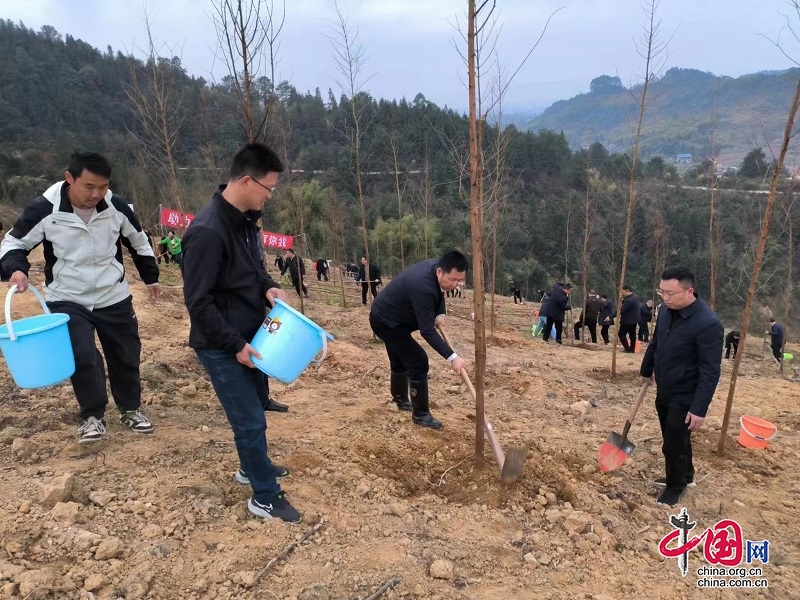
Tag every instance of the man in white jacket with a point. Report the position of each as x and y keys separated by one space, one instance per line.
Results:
x=82 y=226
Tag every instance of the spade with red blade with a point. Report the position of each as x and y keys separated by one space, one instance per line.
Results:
x=617 y=448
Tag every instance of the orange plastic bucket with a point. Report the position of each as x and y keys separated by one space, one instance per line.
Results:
x=755 y=432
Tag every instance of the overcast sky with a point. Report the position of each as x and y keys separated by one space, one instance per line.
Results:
x=409 y=43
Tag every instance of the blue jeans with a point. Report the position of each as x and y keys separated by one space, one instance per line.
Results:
x=240 y=391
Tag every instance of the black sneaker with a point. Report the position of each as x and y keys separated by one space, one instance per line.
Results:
x=280 y=473
x=91 y=430
x=278 y=508
x=662 y=482
x=136 y=421
x=670 y=497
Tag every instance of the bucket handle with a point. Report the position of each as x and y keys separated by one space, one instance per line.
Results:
x=323 y=352
x=757 y=437
x=13 y=289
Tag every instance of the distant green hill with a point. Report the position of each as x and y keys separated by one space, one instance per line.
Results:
x=750 y=111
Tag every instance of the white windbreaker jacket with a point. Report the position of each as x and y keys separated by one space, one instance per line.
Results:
x=83 y=261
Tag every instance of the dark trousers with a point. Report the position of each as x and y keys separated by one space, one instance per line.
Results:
x=242 y=394
x=517 y=297
x=728 y=349
x=163 y=253
x=591 y=325
x=776 y=351
x=604 y=332
x=644 y=332
x=373 y=287
x=118 y=331
x=405 y=354
x=626 y=332
x=677 y=443
x=296 y=284
x=177 y=258
x=321 y=275
x=548 y=326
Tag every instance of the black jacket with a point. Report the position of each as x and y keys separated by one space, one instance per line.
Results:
x=733 y=338
x=645 y=314
x=374 y=273
x=224 y=279
x=412 y=301
x=594 y=307
x=629 y=310
x=322 y=266
x=685 y=355
x=609 y=310
x=556 y=304
x=776 y=333
x=291 y=264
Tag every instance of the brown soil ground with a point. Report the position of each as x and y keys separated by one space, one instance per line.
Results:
x=389 y=499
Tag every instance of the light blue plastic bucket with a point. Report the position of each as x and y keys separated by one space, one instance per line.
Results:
x=288 y=342
x=37 y=349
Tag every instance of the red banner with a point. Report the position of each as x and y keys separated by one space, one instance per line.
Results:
x=276 y=240
x=173 y=218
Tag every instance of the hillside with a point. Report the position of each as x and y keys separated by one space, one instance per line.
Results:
x=679 y=113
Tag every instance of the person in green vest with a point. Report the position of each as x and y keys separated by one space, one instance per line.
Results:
x=173 y=244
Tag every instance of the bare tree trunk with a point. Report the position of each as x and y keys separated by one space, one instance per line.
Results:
x=587 y=228
x=240 y=37
x=336 y=230
x=713 y=241
x=789 y=259
x=396 y=161
x=651 y=49
x=759 y=258
x=350 y=59
x=154 y=103
x=477 y=224
x=660 y=238
x=426 y=197
x=272 y=27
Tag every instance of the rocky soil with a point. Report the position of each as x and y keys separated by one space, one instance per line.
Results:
x=385 y=502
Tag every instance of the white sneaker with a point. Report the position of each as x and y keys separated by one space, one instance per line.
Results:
x=136 y=421
x=91 y=430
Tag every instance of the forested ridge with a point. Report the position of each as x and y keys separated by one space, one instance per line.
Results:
x=58 y=94
x=686 y=106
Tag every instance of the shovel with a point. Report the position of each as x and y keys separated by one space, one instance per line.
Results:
x=511 y=463
x=617 y=448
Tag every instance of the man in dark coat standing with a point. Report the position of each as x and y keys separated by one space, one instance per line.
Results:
x=606 y=317
x=776 y=334
x=414 y=301
x=297 y=270
x=553 y=310
x=628 y=319
x=322 y=269
x=685 y=357
x=370 y=284
x=645 y=317
x=590 y=316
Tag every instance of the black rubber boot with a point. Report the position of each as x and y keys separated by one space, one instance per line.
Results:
x=421 y=414
x=399 y=388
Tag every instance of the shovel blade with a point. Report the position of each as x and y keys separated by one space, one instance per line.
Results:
x=614 y=452
x=512 y=465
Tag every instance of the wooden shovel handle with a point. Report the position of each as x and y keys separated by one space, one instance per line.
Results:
x=499 y=455
x=635 y=407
